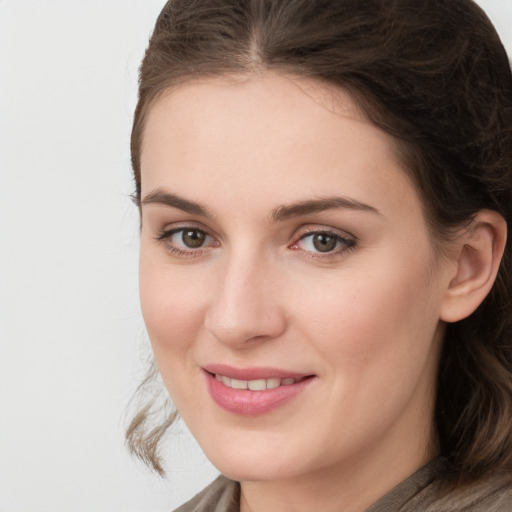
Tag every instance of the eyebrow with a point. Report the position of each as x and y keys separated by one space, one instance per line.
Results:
x=318 y=205
x=159 y=196
x=281 y=213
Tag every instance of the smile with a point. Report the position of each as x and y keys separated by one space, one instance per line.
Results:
x=256 y=385
x=260 y=392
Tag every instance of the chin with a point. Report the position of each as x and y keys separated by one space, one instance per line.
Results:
x=253 y=470
x=257 y=458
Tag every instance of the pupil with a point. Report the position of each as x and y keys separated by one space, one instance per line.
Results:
x=193 y=238
x=324 y=243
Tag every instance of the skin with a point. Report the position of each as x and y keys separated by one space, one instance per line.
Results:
x=364 y=318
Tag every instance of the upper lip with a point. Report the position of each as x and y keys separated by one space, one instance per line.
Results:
x=252 y=373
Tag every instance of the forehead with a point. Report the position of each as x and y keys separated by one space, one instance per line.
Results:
x=269 y=136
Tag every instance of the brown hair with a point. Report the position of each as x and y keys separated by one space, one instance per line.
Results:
x=434 y=74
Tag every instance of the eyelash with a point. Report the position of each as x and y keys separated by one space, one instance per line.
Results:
x=347 y=243
x=165 y=237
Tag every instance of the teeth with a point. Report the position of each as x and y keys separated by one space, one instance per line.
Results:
x=255 y=385
x=273 y=383
x=238 y=384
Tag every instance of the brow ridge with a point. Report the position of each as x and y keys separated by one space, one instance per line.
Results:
x=159 y=196
x=281 y=213
x=306 y=207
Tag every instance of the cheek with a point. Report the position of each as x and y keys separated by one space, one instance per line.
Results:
x=377 y=334
x=380 y=320
x=172 y=305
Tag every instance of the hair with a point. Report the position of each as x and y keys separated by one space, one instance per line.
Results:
x=435 y=76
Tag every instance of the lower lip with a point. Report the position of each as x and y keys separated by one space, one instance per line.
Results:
x=253 y=403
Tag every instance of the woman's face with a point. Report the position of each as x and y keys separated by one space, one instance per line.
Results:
x=284 y=249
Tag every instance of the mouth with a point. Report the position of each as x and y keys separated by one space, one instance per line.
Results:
x=261 y=391
x=257 y=384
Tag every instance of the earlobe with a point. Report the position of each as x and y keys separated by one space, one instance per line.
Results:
x=478 y=259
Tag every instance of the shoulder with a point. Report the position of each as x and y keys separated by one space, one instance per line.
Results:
x=222 y=495
x=426 y=491
x=490 y=494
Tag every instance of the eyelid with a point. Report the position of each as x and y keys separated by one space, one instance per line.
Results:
x=348 y=240
x=312 y=229
x=165 y=235
x=183 y=224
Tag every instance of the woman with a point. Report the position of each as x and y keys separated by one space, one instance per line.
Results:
x=324 y=189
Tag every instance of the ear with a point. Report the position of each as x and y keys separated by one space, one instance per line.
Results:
x=477 y=260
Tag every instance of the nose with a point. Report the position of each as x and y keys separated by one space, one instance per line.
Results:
x=245 y=305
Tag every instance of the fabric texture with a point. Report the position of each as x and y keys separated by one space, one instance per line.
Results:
x=421 y=492
x=222 y=495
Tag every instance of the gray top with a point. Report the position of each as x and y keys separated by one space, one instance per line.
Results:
x=421 y=492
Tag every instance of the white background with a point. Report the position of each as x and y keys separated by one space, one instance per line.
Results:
x=72 y=341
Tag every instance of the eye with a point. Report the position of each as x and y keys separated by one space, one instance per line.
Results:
x=190 y=238
x=186 y=240
x=323 y=242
